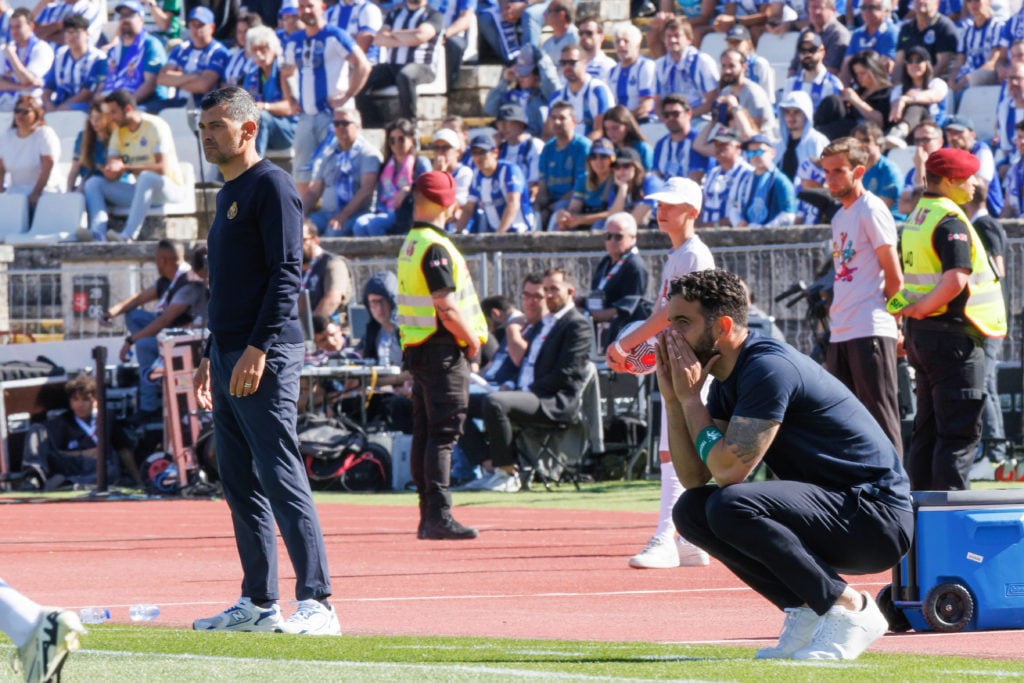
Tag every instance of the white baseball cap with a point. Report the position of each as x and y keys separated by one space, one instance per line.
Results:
x=449 y=136
x=679 y=191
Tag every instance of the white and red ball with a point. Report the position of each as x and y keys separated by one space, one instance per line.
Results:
x=640 y=360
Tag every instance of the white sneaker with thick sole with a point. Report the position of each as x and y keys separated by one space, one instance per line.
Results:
x=690 y=555
x=54 y=638
x=244 y=615
x=312 y=618
x=842 y=634
x=797 y=633
x=660 y=553
x=501 y=481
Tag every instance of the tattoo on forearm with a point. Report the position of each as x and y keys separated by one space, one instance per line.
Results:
x=747 y=438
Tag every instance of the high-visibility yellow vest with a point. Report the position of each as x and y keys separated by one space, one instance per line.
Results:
x=417 y=317
x=922 y=269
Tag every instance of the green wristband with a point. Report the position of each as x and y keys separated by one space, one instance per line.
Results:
x=707 y=438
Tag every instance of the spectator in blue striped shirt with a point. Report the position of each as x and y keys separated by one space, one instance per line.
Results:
x=498 y=189
x=77 y=69
x=239 y=61
x=633 y=80
x=975 y=62
x=5 y=21
x=271 y=90
x=197 y=66
x=813 y=78
x=589 y=97
x=724 y=178
x=517 y=146
x=674 y=154
x=361 y=19
x=50 y=19
x=598 y=64
x=685 y=69
x=458 y=17
x=25 y=61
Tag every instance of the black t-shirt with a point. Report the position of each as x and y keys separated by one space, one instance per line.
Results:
x=826 y=436
x=938 y=37
x=952 y=242
x=992 y=235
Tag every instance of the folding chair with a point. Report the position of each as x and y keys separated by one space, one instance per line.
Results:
x=556 y=451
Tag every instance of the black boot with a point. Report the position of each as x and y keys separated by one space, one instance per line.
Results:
x=447 y=529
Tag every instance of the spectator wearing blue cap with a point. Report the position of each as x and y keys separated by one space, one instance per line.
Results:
x=288 y=20
x=498 y=189
x=25 y=61
x=593 y=192
x=768 y=198
x=195 y=67
x=135 y=60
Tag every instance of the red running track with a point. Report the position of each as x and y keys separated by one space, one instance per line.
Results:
x=533 y=573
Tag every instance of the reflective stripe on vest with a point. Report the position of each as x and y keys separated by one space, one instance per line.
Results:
x=417 y=316
x=922 y=268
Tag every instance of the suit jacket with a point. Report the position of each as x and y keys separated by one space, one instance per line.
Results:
x=561 y=365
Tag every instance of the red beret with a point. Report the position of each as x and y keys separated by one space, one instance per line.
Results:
x=437 y=186
x=951 y=163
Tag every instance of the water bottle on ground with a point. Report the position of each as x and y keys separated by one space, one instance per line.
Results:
x=143 y=612
x=93 y=615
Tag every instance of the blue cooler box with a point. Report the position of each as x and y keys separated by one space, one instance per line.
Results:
x=965 y=570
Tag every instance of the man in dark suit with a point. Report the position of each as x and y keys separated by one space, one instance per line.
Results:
x=551 y=377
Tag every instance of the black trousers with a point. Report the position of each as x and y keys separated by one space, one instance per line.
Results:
x=950 y=364
x=867 y=366
x=405 y=76
x=504 y=412
x=440 y=394
x=789 y=540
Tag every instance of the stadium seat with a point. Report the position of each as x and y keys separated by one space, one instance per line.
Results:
x=653 y=131
x=978 y=103
x=778 y=49
x=67 y=125
x=187 y=149
x=178 y=119
x=13 y=214
x=57 y=216
x=903 y=158
x=185 y=207
x=714 y=44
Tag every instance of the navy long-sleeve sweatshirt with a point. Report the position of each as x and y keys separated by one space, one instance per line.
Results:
x=255 y=259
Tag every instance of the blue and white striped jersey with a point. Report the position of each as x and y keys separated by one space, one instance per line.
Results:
x=977 y=43
x=491 y=195
x=69 y=76
x=673 y=158
x=361 y=16
x=825 y=83
x=721 y=192
x=321 y=60
x=592 y=100
x=693 y=76
x=632 y=83
x=525 y=155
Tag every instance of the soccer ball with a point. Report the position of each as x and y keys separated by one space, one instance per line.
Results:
x=640 y=360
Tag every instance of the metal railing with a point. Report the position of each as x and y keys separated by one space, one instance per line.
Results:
x=41 y=302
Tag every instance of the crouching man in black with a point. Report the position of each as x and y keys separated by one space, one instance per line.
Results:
x=841 y=501
x=64 y=450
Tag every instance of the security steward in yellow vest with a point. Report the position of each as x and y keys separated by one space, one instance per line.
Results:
x=956 y=301
x=441 y=327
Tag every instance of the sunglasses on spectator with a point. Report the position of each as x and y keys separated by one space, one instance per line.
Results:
x=342 y=124
x=622 y=164
x=598 y=157
x=586 y=34
x=672 y=114
x=915 y=60
x=754 y=153
x=609 y=236
x=807 y=50
x=22 y=111
x=568 y=62
x=441 y=148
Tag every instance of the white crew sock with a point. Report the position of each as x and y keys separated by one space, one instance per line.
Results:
x=18 y=615
x=671 y=489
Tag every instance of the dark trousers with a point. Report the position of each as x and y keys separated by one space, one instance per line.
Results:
x=405 y=76
x=790 y=540
x=992 y=429
x=264 y=477
x=474 y=441
x=950 y=367
x=504 y=411
x=440 y=393
x=867 y=366
x=454 y=48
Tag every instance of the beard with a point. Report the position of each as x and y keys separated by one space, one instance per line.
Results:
x=726 y=81
x=706 y=347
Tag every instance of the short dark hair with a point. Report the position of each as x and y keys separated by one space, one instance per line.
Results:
x=557 y=270
x=172 y=245
x=200 y=257
x=238 y=103
x=870 y=130
x=718 y=291
x=25 y=13
x=122 y=98
x=676 y=98
x=533 y=279
x=502 y=303
x=320 y=323
x=83 y=385
x=563 y=104
x=75 y=22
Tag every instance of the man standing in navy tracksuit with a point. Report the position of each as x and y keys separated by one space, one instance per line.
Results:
x=250 y=375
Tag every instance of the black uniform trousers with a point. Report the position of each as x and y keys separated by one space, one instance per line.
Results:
x=950 y=364
x=790 y=540
x=440 y=396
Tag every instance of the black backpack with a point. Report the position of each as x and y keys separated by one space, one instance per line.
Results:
x=338 y=455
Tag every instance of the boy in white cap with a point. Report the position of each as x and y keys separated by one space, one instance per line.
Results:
x=679 y=204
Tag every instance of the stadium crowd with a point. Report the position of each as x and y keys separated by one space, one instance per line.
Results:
x=587 y=123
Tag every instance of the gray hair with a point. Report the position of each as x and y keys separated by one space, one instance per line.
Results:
x=238 y=104
x=625 y=28
x=262 y=35
x=624 y=220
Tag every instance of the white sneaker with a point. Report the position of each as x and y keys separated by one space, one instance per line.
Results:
x=842 y=634
x=244 y=615
x=53 y=639
x=501 y=481
x=690 y=555
x=311 y=618
x=660 y=553
x=797 y=633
